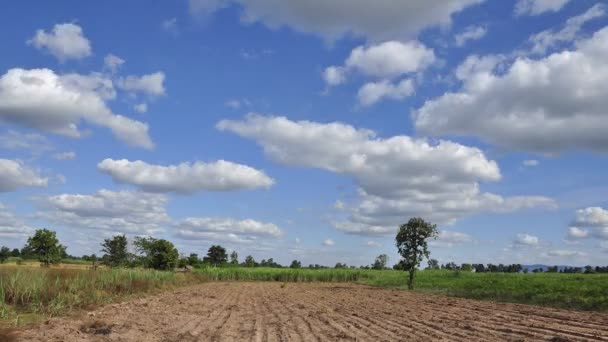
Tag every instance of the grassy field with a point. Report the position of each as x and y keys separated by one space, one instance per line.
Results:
x=27 y=291
x=569 y=291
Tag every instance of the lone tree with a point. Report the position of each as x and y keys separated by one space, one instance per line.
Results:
x=216 y=255
x=412 y=244
x=158 y=254
x=234 y=258
x=45 y=245
x=116 y=250
x=295 y=264
x=380 y=262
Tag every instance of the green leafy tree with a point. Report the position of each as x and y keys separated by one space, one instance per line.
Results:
x=193 y=259
x=45 y=246
x=115 y=250
x=295 y=264
x=234 y=258
x=380 y=262
x=411 y=241
x=216 y=255
x=15 y=253
x=433 y=264
x=158 y=254
x=5 y=253
x=249 y=261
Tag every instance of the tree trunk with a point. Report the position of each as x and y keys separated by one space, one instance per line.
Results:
x=410 y=282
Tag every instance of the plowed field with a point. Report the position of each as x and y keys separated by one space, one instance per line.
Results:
x=317 y=312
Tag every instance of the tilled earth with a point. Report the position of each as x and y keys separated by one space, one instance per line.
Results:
x=317 y=312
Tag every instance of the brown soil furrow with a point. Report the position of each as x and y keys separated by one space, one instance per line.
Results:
x=319 y=312
x=531 y=320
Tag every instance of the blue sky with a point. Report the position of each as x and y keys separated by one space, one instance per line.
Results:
x=309 y=130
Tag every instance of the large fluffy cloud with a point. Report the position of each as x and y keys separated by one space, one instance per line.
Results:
x=397 y=177
x=547 y=105
x=226 y=229
x=14 y=175
x=65 y=41
x=44 y=100
x=186 y=177
x=380 y=19
x=111 y=211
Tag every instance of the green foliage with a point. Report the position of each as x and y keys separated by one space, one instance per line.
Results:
x=234 y=258
x=295 y=264
x=249 y=261
x=411 y=241
x=45 y=245
x=279 y=274
x=433 y=264
x=193 y=260
x=216 y=255
x=269 y=263
x=380 y=262
x=53 y=291
x=5 y=253
x=158 y=254
x=115 y=250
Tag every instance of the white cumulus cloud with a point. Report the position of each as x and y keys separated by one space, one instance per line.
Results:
x=205 y=228
x=152 y=84
x=44 y=100
x=531 y=105
x=112 y=211
x=526 y=240
x=372 y=92
x=64 y=41
x=332 y=19
x=14 y=175
x=397 y=177
x=186 y=178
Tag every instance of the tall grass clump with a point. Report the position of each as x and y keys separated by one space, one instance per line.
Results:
x=281 y=274
x=52 y=291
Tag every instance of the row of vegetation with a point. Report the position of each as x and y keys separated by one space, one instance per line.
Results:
x=149 y=267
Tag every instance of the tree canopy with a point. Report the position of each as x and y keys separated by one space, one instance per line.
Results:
x=411 y=241
x=45 y=245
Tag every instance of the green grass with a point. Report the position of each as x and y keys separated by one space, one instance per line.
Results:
x=280 y=274
x=44 y=291
x=27 y=292
x=569 y=291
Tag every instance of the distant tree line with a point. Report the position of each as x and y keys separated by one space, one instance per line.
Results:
x=161 y=254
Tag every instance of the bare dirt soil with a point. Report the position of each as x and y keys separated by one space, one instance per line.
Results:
x=317 y=312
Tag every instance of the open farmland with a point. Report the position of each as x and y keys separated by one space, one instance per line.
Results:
x=273 y=311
